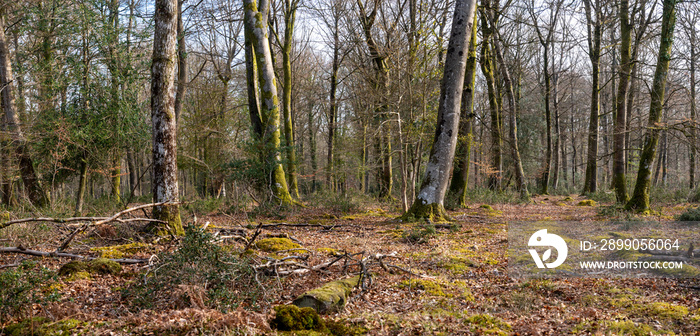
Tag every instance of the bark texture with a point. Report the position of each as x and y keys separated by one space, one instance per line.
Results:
x=460 y=176
x=434 y=185
x=165 y=184
x=640 y=197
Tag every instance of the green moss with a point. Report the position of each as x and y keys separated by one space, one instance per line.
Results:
x=290 y=317
x=41 y=326
x=486 y=206
x=568 y=199
x=330 y=297
x=80 y=275
x=435 y=287
x=457 y=265
x=276 y=244
x=329 y=251
x=99 y=265
x=430 y=287
x=343 y=328
x=485 y=324
x=104 y=266
x=591 y=203
x=665 y=310
x=120 y=251
x=171 y=215
x=419 y=211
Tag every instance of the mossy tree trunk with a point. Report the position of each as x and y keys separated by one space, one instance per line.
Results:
x=640 y=197
x=429 y=202
x=619 y=180
x=595 y=31
x=165 y=183
x=12 y=124
x=82 y=185
x=488 y=69
x=290 y=9
x=257 y=29
x=460 y=176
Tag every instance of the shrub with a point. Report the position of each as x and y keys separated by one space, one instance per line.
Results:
x=19 y=289
x=690 y=215
x=199 y=273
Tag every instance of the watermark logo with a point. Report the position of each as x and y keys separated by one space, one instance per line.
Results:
x=542 y=238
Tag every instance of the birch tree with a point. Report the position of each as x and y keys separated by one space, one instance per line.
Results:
x=165 y=184
x=429 y=202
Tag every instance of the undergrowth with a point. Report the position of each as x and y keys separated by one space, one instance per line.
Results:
x=199 y=273
x=20 y=288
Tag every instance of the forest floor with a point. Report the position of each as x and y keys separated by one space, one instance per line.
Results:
x=464 y=290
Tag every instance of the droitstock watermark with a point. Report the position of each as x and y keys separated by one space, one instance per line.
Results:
x=635 y=249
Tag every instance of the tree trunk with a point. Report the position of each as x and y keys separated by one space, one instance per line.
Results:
x=640 y=197
x=181 y=62
x=133 y=174
x=26 y=165
x=116 y=176
x=429 y=203
x=257 y=29
x=165 y=183
x=520 y=183
x=590 y=184
x=332 y=109
x=693 y=112
x=460 y=176
x=82 y=185
x=289 y=20
x=557 y=134
x=312 y=149
x=619 y=180
x=488 y=69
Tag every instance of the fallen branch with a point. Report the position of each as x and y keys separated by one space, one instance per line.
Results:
x=96 y=220
x=22 y=250
x=325 y=227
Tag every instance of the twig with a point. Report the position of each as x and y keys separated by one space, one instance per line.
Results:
x=10 y=265
x=255 y=235
x=70 y=238
x=22 y=250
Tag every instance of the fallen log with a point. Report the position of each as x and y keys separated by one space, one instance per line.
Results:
x=330 y=297
x=22 y=250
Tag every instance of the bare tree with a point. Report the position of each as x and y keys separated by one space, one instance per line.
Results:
x=165 y=184
x=429 y=202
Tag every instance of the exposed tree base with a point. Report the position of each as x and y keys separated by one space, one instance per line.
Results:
x=168 y=221
x=419 y=211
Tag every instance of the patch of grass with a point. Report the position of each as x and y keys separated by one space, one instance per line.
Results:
x=419 y=234
x=485 y=195
x=602 y=197
x=42 y=326
x=199 y=273
x=486 y=324
x=607 y=327
x=20 y=288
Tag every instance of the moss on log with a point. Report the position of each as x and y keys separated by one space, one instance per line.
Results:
x=330 y=297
